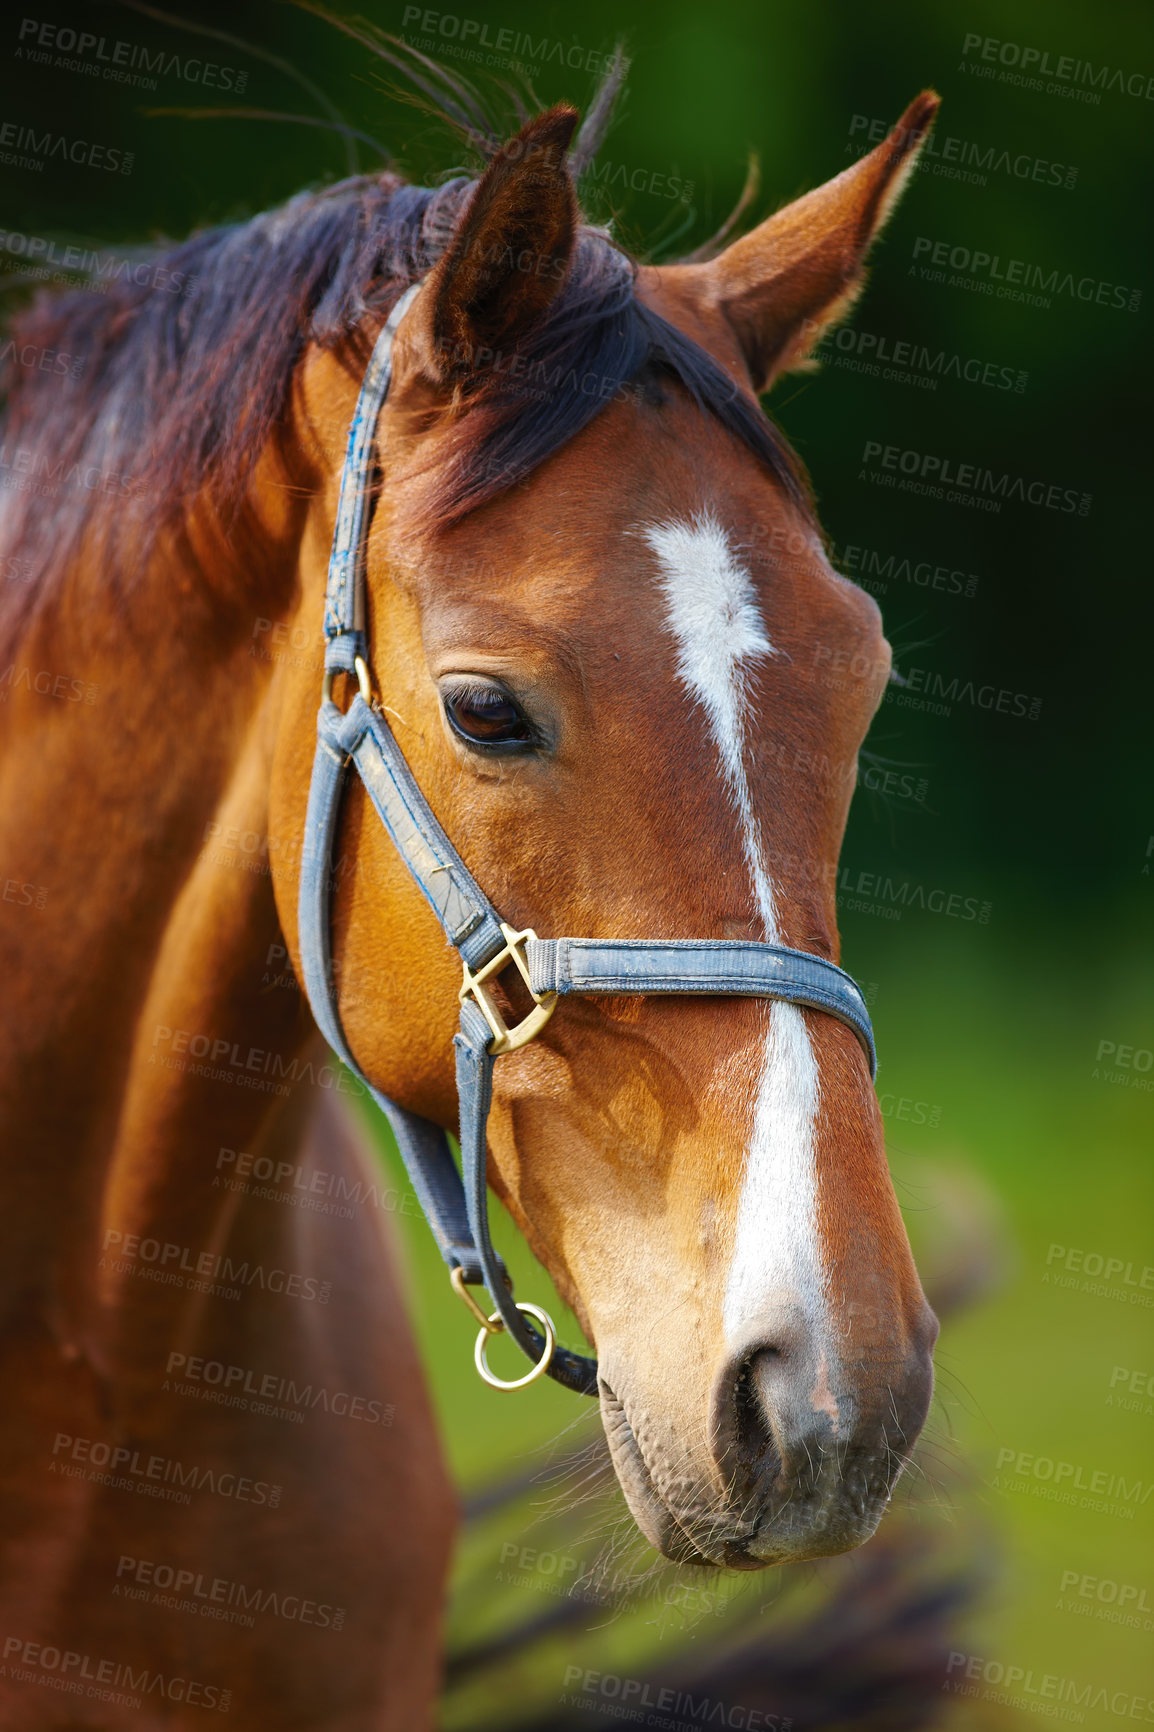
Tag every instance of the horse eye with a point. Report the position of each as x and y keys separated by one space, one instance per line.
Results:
x=487 y=716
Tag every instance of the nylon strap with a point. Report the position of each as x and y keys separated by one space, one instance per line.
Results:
x=345 y=618
x=732 y=967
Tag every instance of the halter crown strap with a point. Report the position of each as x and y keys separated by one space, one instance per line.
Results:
x=345 y=619
x=456 y=1204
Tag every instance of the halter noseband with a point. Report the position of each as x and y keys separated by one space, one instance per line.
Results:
x=456 y=1205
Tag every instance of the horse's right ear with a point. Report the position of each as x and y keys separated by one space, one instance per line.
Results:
x=507 y=259
x=782 y=284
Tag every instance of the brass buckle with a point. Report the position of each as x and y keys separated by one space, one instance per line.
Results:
x=457 y=1281
x=506 y=1039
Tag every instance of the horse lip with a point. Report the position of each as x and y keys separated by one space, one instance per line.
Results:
x=657 y=1521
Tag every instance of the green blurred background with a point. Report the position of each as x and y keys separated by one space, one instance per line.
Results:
x=1015 y=1135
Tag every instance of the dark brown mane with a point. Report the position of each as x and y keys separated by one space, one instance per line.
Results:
x=187 y=363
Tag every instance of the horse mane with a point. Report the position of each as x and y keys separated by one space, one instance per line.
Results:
x=183 y=362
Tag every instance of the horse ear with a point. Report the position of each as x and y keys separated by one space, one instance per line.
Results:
x=508 y=256
x=784 y=283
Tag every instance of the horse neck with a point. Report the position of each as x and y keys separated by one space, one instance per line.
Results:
x=127 y=716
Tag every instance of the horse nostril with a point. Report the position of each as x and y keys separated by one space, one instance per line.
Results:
x=775 y=1430
x=754 y=1440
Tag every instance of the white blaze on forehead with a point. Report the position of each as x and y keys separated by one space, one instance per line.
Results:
x=711 y=609
x=712 y=613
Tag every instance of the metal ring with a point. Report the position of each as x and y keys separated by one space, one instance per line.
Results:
x=535 y=1371
x=364 y=681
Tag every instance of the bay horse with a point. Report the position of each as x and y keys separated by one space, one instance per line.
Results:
x=222 y=1488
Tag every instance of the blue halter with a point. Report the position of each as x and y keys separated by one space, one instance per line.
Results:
x=456 y=1205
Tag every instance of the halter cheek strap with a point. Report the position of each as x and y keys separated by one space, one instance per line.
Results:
x=456 y=1204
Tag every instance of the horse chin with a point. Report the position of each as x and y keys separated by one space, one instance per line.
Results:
x=821 y=1527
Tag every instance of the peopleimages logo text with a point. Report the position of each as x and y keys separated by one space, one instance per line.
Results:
x=633 y=1694
x=1019 y=279
x=451 y=27
x=242 y=1386
x=43 y=255
x=165 y=1584
x=931 y=474
x=965 y=159
x=105 y=1680
x=118 y=61
x=24 y=147
x=912 y=363
x=1065 y=69
x=171 y=1263
x=126 y=1469
x=866 y=892
x=1018 y=1682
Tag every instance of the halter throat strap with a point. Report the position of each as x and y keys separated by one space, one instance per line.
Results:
x=456 y=1204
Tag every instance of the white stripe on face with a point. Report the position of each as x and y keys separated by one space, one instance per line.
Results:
x=711 y=609
x=712 y=613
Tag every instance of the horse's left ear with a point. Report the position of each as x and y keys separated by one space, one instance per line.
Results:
x=507 y=258
x=782 y=284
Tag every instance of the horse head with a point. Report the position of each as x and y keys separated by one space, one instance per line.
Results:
x=596 y=594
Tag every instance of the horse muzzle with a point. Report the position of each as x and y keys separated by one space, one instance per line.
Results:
x=795 y=1461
